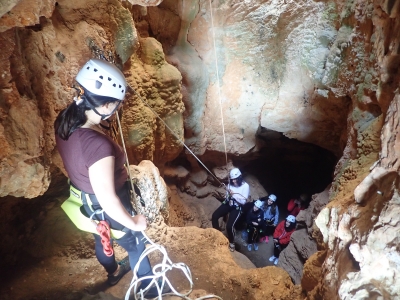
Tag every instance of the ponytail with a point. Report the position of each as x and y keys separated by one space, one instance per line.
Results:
x=69 y=119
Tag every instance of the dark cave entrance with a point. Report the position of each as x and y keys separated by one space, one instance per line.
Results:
x=288 y=168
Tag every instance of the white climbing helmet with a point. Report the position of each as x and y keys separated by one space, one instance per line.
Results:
x=102 y=78
x=258 y=203
x=291 y=219
x=272 y=197
x=235 y=173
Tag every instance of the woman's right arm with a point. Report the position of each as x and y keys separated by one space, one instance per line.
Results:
x=101 y=175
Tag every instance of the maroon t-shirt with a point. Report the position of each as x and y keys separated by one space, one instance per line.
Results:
x=85 y=147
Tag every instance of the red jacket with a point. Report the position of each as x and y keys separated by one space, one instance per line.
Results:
x=281 y=235
x=293 y=208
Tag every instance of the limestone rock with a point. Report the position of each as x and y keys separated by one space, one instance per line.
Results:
x=312 y=271
x=153 y=190
x=199 y=178
x=275 y=50
x=296 y=253
x=21 y=13
x=176 y=174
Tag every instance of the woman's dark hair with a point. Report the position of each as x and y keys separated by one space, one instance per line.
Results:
x=72 y=117
x=273 y=208
x=239 y=181
x=291 y=226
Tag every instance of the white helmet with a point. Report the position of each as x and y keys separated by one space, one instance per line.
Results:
x=272 y=197
x=291 y=219
x=102 y=78
x=258 y=203
x=235 y=173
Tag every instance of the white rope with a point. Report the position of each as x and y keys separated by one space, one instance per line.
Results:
x=160 y=272
x=218 y=83
x=127 y=162
x=175 y=135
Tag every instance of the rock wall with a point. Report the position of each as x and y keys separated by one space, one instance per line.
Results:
x=45 y=43
x=359 y=227
x=252 y=64
x=323 y=72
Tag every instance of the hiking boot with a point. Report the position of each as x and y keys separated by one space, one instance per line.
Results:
x=255 y=247
x=276 y=261
x=124 y=267
x=272 y=258
x=249 y=247
x=232 y=247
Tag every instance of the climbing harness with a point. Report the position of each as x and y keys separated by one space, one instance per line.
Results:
x=74 y=209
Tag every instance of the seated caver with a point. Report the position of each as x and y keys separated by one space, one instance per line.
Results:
x=271 y=217
x=296 y=205
x=281 y=237
x=253 y=224
x=238 y=192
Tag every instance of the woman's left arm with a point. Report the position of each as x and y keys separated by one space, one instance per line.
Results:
x=101 y=175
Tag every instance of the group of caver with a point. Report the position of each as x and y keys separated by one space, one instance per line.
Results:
x=261 y=216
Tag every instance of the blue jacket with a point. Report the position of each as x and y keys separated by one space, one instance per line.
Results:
x=269 y=216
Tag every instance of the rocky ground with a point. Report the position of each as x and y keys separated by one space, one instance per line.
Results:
x=53 y=260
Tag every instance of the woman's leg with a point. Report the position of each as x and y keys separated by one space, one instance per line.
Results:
x=218 y=213
x=277 y=250
x=250 y=237
x=133 y=244
x=230 y=226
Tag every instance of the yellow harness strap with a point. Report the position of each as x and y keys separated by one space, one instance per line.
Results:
x=72 y=207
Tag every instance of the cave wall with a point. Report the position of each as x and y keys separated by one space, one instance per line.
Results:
x=358 y=257
x=256 y=64
x=45 y=43
x=324 y=72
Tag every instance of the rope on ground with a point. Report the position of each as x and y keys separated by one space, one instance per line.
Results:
x=160 y=272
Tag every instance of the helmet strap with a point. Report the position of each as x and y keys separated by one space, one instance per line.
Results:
x=103 y=116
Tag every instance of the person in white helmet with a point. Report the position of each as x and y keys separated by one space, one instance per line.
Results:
x=281 y=236
x=95 y=165
x=253 y=224
x=238 y=192
x=271 y=218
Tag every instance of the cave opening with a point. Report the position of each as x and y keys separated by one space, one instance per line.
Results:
x=288 y=168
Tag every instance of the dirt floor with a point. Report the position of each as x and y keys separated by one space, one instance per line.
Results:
x=45 y=257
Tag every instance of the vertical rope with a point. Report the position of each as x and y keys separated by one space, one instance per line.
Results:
x=127 y=162
x=218 y=83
